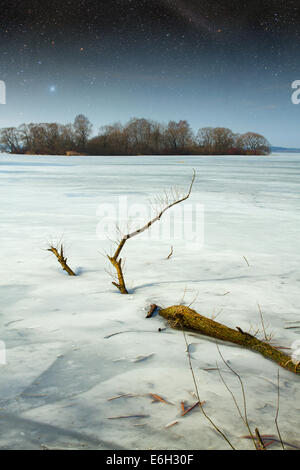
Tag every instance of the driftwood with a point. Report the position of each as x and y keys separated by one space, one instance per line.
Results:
x=186 y=318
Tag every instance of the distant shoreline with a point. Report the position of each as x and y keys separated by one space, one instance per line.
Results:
x=273 y=153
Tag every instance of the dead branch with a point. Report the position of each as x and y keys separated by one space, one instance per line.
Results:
x=185 y=318
x=59 y=253
x=261 y=443
x=190 y=408
x=263 y=323
x=246 y=261
x=245 y=417
x=171 y=253
x=153 y=307
x=116 y=261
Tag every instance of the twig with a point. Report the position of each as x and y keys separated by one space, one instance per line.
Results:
x=170 y=425
x=262 y=322
x=277 y=412
x=260 y=441
x=184 y=293
x=267 y=444
x=240 y=330
x=199 y=401
x=125 y=395
x=171 y=253
x=246 y=261
x=245 y=417
x=159 y=398
x=191 y=408
x=215 y=315
x=119 y=333
x=194 y=300
x=129 y=417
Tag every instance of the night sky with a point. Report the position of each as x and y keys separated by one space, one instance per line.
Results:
x=214 y=63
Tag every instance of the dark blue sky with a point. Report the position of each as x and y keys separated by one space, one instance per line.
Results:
x=224 y=63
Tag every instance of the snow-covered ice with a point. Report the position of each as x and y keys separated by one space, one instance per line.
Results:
x=74 y=343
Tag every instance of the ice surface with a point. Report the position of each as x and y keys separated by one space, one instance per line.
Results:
x=74 y=343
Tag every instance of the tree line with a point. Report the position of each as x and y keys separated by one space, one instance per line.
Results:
x=137 y=137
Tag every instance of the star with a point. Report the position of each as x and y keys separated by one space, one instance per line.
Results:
x=52 y=89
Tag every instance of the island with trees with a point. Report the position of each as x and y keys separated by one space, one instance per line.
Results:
x=138 y=136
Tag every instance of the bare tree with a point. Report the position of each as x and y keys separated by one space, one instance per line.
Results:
x=144 y=136
x=216 y=140
x=25 y=136
x=178 y=137
x=113 y=139
x=10 y=139
x=223 y=140
x=253 y=144
x=205 y=140
x=83 y=129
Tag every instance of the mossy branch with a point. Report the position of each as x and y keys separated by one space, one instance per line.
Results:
x=186 y=318
x=59 y=253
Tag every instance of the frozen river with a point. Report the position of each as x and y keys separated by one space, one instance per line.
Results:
x=74 y=343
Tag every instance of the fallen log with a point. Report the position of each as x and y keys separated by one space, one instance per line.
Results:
x=185 y=318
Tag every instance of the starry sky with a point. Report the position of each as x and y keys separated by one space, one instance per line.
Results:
x=214 y=63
